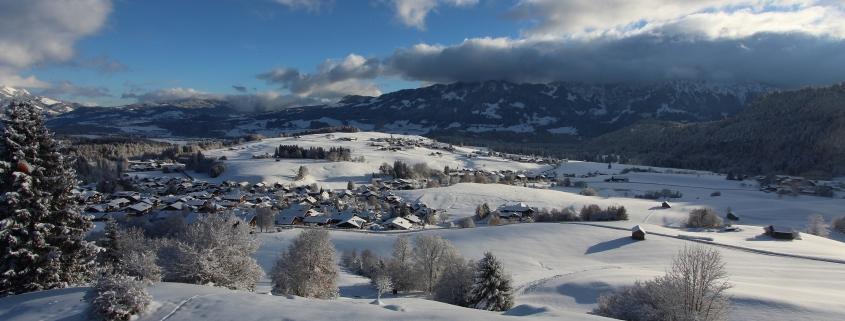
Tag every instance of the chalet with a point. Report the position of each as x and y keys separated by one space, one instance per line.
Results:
x=780 y=232
x=320 y=220
x=119 y=202
x=198 y=203
x=138 y=209
x=638 y=233
x=341 y=216
x=100 y=208
x=413 y=219
x=397 y=223
x=236 y=197
x=518 y=210
x=352 y=222
x=174 y=207
x=89 y=197
x=370 y=216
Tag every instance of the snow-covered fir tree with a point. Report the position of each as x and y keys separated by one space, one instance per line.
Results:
x=492 y=290
x=41 y=229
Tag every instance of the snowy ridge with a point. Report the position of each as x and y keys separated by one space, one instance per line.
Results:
x=48 y=106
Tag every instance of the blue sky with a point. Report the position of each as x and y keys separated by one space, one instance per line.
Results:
x=272 y=54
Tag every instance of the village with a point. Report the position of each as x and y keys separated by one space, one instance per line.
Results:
x=154 y=197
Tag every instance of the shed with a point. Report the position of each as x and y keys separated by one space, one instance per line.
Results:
x=780 y=232
x=638 y=233
x=733 y=217
x=665 y=205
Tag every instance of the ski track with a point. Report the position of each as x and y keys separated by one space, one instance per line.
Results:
x=531 y=286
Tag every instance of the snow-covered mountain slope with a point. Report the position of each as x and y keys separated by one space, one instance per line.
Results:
x=50 y=107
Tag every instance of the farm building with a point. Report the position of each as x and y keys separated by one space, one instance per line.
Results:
x=780 y=232
x=638 y=233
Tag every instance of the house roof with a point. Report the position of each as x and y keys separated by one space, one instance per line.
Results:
x=354 y=221
x=398 y=222
x=316 y=219
x=637 y=228
x=782 y=229
x=519 y=207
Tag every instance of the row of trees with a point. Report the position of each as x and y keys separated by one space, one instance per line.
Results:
x=335 y=154
x=431 y=264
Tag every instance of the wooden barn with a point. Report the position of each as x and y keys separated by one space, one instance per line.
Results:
x=780 y=232
x=638 y=233
x=665 y=205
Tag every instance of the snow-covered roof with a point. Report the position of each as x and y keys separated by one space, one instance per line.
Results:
x=398 y=222
x=316 y=219
x=637 y=228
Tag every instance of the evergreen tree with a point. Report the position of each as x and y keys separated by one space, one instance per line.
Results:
x=42 y=232
x=492 y=290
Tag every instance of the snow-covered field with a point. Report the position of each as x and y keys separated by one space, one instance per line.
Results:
x=559 y=269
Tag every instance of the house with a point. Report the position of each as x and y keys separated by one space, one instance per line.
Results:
x=518 y=210
x=413 y=219
x=319 y=220
x=174 y=207
x=638 y=233
x=139 y=209
x=352 y=222
x=397 y=223
x=780 y=232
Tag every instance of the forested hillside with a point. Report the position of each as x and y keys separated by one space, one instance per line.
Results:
x=790 y=132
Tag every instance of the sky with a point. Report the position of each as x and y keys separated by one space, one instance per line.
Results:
x=275 y=54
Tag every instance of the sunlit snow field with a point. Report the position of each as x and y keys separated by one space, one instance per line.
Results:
x=559 y=269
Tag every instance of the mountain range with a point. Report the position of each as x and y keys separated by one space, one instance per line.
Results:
x=50 y=107
x=575 y=110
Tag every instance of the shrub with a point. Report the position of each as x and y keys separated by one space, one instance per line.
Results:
x=580 y=184
x=118 y=297
x=466 y=223
x=692 y=289
x=589 y=192
x=838 y=224
x=816 y=226
x=587 y=211
x=704 y=218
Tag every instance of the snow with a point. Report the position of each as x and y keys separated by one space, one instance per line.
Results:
x=558 y=269
x=490 y=112
x=564 y=130
x=48 y=101
x=452 y=96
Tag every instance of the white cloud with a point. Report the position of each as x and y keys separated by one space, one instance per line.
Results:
x=10 y=77
x=308 y=5
x=173 y=94
x=44 y=32
x=261 y=101
x=65 y=87
x=413 y=12
x=333 y=79
x=714 y=18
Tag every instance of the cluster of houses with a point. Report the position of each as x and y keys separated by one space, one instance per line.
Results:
x=154 y=165
x=302 y=205
x=794 y=185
